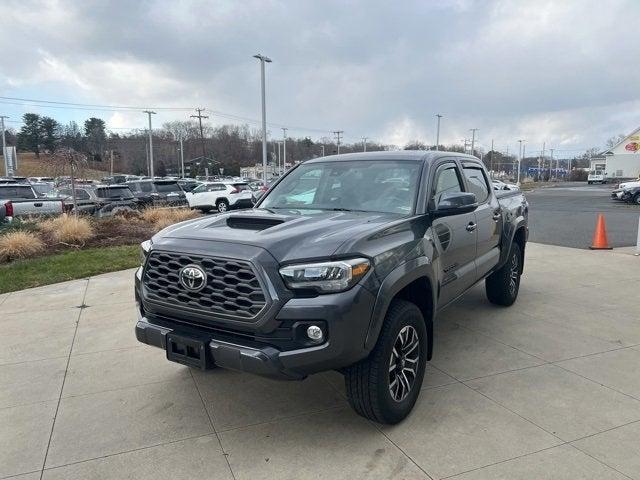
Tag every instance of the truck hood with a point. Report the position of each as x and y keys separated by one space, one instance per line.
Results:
x=288 y=235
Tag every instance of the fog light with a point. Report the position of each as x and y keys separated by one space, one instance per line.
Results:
x=315 y=333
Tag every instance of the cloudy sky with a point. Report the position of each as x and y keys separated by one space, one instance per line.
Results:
x=565 y=72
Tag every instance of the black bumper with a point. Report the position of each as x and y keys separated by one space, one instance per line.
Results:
x=345 y=318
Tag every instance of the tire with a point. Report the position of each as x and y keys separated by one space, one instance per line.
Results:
x=204 y=210
x=636 y=199
x=369 y=383
x=502 y=286
x=589 y=183
x=222 y=206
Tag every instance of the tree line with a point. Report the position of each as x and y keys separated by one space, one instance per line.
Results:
x=228 y=146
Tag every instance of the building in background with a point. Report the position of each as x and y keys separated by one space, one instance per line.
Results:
x=622 y=160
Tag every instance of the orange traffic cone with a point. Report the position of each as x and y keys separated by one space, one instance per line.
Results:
x=600 y=240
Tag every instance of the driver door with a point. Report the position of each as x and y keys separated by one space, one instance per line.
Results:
x=454 y=236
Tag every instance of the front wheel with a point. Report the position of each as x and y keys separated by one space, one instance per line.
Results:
x=384 y=386
x=502 y=286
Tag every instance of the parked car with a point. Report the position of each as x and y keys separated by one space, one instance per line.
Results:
x=500 y=185
x=631 y=194
x=158 y=192
x=348 y=278
x=6 y=211
x=188 y=184
x=25 y=200
x=33 y=180
x=619 y=192
x=99 y=200
x=220 y=196
x=597 y=176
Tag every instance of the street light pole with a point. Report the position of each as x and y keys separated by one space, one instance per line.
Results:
x=284 y=148
x=337 y=133
x=181 y=156
x=149 y=112
x=8 y=169
x=364 y=144
x=520 y=152
x=322 y=150
x=263 y=59
x=473 y=139
x=438 y=132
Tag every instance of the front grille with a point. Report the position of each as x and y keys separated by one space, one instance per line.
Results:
x=232 y=288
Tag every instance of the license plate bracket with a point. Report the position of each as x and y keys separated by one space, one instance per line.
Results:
x=186 y=350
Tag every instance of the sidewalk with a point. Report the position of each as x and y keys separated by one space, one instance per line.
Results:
x=548 y=388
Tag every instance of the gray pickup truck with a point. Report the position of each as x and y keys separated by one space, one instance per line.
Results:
x=26 y=202
x=342 y=265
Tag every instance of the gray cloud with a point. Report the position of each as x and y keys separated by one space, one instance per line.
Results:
x=565 y=72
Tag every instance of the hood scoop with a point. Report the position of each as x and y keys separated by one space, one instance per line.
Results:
x=251 y=222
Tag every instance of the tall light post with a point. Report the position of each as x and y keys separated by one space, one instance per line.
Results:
x=149 y=112
x=263 y=60
x=438 y=132
x=322 y=150
x=181 y=156
x=337 y=133
x=364 y=144
x=284 y=148
x=473 y=138
x=8 y=169
x=520 y=152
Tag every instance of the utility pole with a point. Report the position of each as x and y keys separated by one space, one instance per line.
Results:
x=284 y=148
x=149 y=112
x=278 y=159
x=491 y=160
x=438 y=132
x=322 y=150
x=337 y=133
x=364 y=144
x=263 y=60
x=520 y=152
x=199 y=116
x=551 y=164
x=181 y=157
x=8 y=169
x=542 y=156
x=111 y=169
x=473 y=138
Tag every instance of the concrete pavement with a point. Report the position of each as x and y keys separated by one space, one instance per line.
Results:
x=548 y=388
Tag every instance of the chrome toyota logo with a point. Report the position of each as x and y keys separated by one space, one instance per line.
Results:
x=193 y=278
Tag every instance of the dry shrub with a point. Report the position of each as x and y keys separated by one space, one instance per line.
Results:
x=163 y=217
x=68 y=229
x=19 y=244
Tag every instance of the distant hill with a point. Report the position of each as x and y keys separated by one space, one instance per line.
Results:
x=31 y=166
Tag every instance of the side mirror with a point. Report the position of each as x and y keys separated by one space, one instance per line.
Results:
x=455 y=203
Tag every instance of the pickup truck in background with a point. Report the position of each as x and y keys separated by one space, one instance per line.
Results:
x=25 y=201
x=342 y=265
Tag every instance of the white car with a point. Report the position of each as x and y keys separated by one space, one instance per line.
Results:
x=220 y=196
x=500 y=185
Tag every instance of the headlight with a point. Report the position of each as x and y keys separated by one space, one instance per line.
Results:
x=325 y=277
x=144 y=250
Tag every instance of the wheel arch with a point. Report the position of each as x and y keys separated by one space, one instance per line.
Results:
x=413 y=282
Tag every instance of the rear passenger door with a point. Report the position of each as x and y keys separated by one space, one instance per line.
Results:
x=454 y=236
x=488 y=218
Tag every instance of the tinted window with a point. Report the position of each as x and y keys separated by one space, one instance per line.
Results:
x=82 y=195
x=447 y=181
x=477 y=183
x=242 y=187
x=375 y=186
x=42 y=188
x=16 y=191
x=114 y=192
x=200 y=189
x=145 y=187
x=167 y=187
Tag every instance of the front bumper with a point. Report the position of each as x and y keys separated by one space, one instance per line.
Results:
x=344 y=317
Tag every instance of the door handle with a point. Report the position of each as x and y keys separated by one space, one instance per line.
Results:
x=471 y=227
x=496 y=215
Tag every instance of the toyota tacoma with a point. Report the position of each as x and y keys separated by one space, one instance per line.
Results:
x=342 y=265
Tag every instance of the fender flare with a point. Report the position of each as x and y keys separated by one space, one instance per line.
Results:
x=400 y=277
x=520 y=222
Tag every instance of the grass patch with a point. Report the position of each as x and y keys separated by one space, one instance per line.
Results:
x=66 y=266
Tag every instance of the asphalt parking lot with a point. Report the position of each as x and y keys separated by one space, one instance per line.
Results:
x=566 y=215
x=548 y=388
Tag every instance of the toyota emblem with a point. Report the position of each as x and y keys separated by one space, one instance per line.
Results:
x=193 y=278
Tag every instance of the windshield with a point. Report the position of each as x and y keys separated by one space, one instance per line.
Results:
x=16 y=191
x=114 y=192
x=164 y=187
x=43 y=188
x=372 y=186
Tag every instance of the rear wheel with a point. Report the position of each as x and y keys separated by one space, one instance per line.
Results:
x=222 y=206
x=502 y=286
x=636 y=199
x=384 y=387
